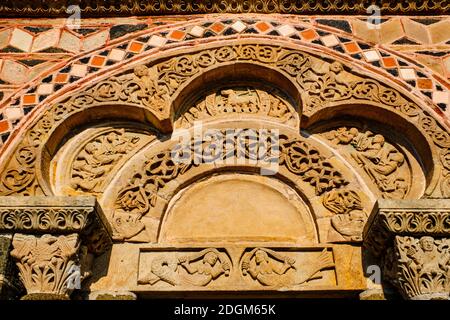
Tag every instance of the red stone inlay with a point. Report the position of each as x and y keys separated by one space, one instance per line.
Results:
x=61 y=77
x=29 y=99
x=308 y=34
x=389 y=62
x=352 y=47
x=425 y=84
x=217 y=27
x=262 y=26
x=97 y=61
x=4 y=125
x=177 y=35
x=135 y=47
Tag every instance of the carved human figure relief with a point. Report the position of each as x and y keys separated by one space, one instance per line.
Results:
x=240 y=100
x=86 y=163
x=271 y=268
x=188 y=269
x=384 y=163
x=350 y=217
x=98 y=157
x=419 y=266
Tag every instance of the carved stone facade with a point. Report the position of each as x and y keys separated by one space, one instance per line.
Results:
x=281 y=155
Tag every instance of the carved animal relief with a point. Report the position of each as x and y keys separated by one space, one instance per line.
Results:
x=98 y=158
x=350 y=217
x=272 y=268
x=185 y=269
x=240 y=100
x=214 y=268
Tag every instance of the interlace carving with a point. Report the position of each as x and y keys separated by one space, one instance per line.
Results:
x=140 y=194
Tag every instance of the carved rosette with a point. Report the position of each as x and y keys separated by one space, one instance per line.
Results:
x=412 y=241
x=54 y=242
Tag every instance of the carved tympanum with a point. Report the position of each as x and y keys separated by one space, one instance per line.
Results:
x=140 y=195
x=271 y=268
x=195 y=268
x=240 y=100
x=419 y=267
x=384 y=163
x=98 y=158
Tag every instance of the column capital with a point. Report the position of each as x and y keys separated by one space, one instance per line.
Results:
x=57 y=216
x=54 y=240
x=411 y=238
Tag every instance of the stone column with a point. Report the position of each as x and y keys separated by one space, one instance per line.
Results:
x=411 y=240
x=54 y=241
x=10 y=287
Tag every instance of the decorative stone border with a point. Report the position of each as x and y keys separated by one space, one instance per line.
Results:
x=412 y=76
x=97 y=8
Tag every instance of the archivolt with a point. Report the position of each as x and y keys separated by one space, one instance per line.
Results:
x=152 y=87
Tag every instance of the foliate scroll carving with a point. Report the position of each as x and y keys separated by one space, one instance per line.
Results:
x=152 y=87
x=350 y=217
x=44 y=219
x=45 y=262
x=304 y=160
x=237 y=100
x=98 y=8
x=333 y=85
x=383 y=163
x=419 y=267
x=98 y=158
x=186 y=269
x=272 y=268
x=136 y=198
